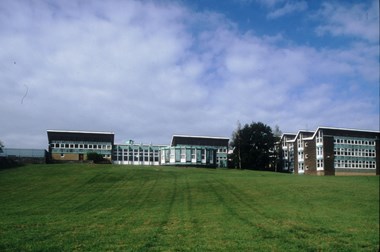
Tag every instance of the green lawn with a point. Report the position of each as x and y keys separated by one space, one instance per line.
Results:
x=88 y=207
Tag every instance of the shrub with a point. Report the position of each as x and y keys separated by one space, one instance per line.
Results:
x=95 y=157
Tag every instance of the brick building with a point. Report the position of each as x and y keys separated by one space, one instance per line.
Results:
x=331 y=151
x=68 y=145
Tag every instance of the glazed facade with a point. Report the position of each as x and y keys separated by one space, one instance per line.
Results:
x=136 y=154
x=183 y=151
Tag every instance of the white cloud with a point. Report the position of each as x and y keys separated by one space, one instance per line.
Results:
x=288 y=8
x=357 y=20
x=148 y=70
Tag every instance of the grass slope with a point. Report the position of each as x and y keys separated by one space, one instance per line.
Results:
x=122 y=208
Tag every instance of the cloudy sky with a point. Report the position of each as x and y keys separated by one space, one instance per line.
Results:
x=149 y=69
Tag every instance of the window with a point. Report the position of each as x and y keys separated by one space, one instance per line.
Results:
x=156 y=156
x=360 y=164
x=319 y=151
x=203 y=154
x=319 y=137
x=319 y=164
x=183 y=153
x=300 y=166
x=192 y=151
x=172 y=154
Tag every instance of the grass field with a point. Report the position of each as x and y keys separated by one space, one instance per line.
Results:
x=88 y=207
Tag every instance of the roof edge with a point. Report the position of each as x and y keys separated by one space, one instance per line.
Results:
x=82 y=132
x=344 y=129
x=213 y=137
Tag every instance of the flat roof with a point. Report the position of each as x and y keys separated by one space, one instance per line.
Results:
x=74 y=135
x=81 y=131
x=209 y=137
x=199 y=140
x=346 y=130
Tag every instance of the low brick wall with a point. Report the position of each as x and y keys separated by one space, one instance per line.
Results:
x=355 y=172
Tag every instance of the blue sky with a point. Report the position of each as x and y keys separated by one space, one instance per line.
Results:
x=149 y=69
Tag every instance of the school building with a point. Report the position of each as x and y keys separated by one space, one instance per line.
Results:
x=330 y=151
x=69 y=145
x=184 y=150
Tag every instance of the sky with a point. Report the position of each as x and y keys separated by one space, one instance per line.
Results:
x=147 y=70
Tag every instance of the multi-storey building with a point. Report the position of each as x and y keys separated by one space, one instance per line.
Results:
x=286 y=152
x=331 y=151
x=67 y=145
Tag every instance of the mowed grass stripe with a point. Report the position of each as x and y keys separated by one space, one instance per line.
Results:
x=127 y=208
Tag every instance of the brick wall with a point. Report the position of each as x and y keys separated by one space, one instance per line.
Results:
x=310 y=153
x=328 y=155
x=377 y=142
x=66 y=157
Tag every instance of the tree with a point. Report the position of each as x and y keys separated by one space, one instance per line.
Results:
x=236 y=145
x=253 y=146
x=1 y=146
x=277 y=133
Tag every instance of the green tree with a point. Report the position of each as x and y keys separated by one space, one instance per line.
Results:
x=277 y=133
x=253 y=146
x=236 y=145
x=1 y=146
x=95 y=157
